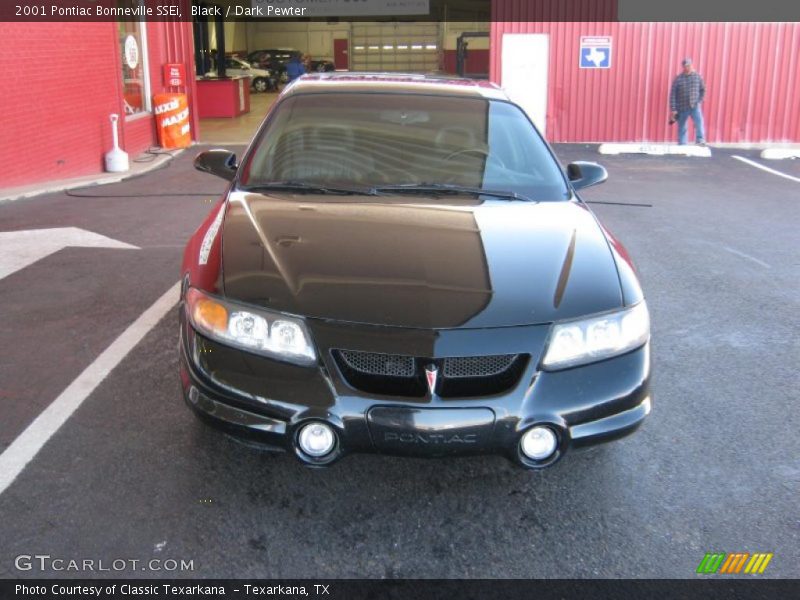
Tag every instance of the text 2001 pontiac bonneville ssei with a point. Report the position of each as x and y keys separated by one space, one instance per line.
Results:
x=401 y=266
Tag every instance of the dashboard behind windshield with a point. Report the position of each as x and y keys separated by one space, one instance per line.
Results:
x=378 y=139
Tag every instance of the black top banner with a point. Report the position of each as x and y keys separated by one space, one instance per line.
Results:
x=402 y=589
x=400 y=10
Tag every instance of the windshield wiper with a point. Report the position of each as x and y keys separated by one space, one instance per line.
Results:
x=299 y=186
x=449 y=188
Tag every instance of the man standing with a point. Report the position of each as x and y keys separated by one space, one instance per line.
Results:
x=688 y=91
x=295 y=68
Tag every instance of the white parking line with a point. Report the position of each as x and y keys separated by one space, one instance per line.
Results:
x=27 y=445
x=23 y=248
x=747 y=256
x=736 y=252
x=765 y=168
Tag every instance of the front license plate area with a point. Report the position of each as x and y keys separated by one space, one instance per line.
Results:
x=430 y=431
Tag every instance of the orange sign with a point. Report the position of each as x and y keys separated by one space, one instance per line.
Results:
x=172 y=120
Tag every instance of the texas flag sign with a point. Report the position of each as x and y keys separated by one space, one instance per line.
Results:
x=595 y=52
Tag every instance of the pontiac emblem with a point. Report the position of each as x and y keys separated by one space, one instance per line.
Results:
x=432 y=374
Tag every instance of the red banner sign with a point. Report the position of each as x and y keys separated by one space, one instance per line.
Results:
x=174 y=74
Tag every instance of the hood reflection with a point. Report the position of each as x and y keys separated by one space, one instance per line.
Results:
x=429 y=264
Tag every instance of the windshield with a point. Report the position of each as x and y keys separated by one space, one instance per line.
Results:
x=375 y=140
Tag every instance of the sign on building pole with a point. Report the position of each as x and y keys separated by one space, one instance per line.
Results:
x=595 y=52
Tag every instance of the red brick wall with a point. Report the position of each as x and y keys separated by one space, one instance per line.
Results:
x=60 y=82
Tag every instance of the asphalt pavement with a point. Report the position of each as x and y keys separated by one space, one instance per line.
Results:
x=131 y=475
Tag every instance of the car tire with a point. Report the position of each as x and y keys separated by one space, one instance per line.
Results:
x=260 y=84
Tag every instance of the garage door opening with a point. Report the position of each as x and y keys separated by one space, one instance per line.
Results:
x=396 y=47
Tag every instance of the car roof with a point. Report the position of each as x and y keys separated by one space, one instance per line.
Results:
x=402 y=83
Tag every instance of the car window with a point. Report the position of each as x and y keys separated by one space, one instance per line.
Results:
x=404 y=139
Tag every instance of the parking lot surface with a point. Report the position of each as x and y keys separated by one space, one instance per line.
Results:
x=132 y=475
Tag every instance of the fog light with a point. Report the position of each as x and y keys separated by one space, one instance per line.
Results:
x=539 y=443
x=316 y=439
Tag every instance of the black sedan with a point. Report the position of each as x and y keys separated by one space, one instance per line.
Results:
x=401 y=266
x=275 y=60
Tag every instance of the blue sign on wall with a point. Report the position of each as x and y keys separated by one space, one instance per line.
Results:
x=595 y=52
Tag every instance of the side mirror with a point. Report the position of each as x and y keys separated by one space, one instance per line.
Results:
x=221 y=163
x=582 y=174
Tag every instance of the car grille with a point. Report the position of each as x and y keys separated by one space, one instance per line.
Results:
x=477 y=366
x=372 y=363
x=401 y=375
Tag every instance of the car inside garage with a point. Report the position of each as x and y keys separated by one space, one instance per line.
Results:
x=419 y=37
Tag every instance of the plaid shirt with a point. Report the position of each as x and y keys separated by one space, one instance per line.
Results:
x=687 y=91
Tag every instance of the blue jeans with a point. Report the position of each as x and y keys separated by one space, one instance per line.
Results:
x=697 y=117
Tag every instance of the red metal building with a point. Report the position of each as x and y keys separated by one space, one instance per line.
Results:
x=62 y=80
x=751 y=70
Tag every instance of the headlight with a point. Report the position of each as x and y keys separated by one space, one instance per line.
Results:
x=252 y=329
x=589 y=340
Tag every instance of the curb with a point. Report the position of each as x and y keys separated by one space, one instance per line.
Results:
x=780 y=153
x=49 y=187
x=655 y=149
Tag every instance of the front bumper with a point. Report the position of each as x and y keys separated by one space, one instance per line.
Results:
x=269 y=401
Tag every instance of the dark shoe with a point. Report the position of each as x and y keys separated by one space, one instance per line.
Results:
x=702 y=143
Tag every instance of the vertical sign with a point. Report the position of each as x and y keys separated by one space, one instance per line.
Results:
x=174 y=75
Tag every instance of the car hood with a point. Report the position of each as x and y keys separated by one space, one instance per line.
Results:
x=417 y=262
